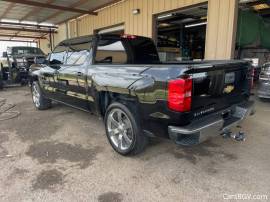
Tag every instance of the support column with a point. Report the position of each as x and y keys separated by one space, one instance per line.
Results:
x=221 y=29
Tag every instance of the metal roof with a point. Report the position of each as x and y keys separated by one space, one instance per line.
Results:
x=20 y=19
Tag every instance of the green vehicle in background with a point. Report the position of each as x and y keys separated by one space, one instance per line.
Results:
x=15 y=64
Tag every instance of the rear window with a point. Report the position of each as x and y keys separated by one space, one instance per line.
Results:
x=136 y=50
x=143 y=50
x=111 y=52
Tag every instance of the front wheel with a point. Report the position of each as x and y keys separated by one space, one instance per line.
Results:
x=123 y=130
x=40 y=102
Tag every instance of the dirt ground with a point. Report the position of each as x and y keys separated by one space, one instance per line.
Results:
x=62 y=154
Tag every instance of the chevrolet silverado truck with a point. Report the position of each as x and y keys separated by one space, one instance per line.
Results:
x=121 y=79
x=15 y=63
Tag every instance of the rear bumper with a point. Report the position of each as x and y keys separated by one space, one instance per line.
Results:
x=264 y=89
x=212 y=125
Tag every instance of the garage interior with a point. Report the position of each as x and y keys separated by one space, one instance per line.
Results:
x=181 y=34
x=63 y=155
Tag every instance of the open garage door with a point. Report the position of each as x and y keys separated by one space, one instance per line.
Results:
x=180 y=35
x=253 y=41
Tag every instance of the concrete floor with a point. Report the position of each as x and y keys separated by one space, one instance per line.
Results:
x=63 y=155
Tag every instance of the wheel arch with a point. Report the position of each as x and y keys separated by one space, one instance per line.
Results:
x=105 y=98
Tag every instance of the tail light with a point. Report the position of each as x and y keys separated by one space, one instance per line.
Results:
x=180 y=94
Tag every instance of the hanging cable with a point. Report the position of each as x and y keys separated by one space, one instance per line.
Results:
x=5 y=110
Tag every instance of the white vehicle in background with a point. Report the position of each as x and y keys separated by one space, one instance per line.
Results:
x=264 y=82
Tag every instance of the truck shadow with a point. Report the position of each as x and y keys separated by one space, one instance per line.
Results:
x=193 y=154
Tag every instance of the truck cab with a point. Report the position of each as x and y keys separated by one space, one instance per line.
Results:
x=16 y=61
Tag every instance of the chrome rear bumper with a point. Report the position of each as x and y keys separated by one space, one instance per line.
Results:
x=212 y=125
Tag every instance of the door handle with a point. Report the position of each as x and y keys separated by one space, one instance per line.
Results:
x=80 y=74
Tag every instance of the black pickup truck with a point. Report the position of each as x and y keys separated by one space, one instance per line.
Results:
x=121 y=79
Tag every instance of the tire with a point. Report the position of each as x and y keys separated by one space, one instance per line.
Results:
x=126 y=138
x=40 y=102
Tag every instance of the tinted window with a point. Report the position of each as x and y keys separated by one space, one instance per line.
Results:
x=77 y=53
x=111 y=52
x=58 y=55
x=142 y=50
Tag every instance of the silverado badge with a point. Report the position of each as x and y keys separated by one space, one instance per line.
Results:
x=228 y=89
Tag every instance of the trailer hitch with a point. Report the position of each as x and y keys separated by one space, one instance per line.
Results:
x=238 y=136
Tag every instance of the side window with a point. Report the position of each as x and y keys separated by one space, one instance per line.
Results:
x=111 y=52
x=58 y=55
x=77 y=53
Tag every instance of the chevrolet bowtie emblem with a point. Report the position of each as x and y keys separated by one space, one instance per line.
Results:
x=228 y=89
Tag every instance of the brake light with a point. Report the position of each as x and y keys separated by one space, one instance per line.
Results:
x=127 y=36
x=180 y=94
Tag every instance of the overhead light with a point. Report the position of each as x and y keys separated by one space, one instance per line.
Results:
x=136 y=11
x=165 y=25
x=196 y=24
x=164 y=16
x=29 y=22
x=247 y=1
x=261 y=6
x=46 y=24
x=10 y=20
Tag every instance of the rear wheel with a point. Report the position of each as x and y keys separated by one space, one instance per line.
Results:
x=39 y=100
x=123 y=131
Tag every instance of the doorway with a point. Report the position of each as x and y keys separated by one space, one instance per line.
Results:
x=180 y=35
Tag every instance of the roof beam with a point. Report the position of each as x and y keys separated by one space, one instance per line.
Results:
x=30 y=25
x=10 y=6
x=16 y=34
x=34 y=11
x=27 y=30
x=32 y=41
x=50 y=6
x=23 y=36
x=78 y=3
x=92 y=10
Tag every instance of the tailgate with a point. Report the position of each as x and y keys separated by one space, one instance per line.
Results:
x=218 y=86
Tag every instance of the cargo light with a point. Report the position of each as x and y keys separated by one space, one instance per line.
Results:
x=180 y=94
x=127 y=36
x=196 y=24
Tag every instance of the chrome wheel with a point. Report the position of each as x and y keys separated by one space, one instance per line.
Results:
x=120 y=129
x=36 y=96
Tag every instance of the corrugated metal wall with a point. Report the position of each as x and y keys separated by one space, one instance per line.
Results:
x=122 y=13
x=221 y=28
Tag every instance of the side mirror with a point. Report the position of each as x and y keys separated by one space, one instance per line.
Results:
x=4 y=54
